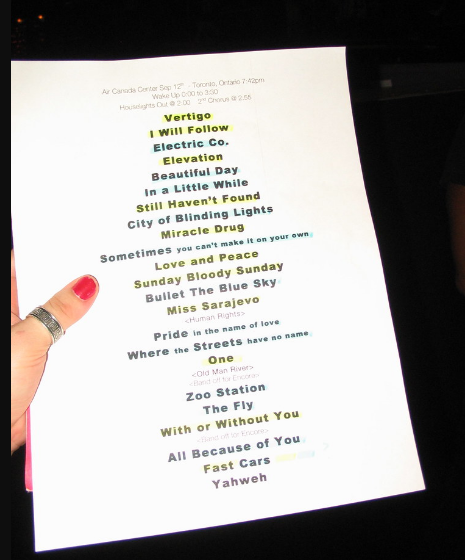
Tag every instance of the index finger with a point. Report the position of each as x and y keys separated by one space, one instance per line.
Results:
x=14 y=292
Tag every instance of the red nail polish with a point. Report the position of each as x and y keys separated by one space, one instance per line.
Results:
x=85 y=287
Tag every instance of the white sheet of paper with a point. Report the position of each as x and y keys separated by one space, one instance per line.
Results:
x=243 y=369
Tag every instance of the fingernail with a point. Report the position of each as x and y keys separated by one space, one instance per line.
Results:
x=85 y=287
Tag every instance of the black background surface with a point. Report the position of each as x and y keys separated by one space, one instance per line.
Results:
x=404 y=133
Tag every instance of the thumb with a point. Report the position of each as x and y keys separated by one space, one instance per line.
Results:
x=67 y=306
x=31 y=339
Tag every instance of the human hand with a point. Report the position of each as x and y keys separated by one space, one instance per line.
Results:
x=31 y=340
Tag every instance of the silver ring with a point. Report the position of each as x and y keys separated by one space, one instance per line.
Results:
x=50 y=323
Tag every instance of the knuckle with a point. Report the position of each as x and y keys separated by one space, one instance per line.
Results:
x=63 y=311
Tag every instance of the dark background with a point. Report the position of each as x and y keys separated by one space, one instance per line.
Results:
x=406 y=67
